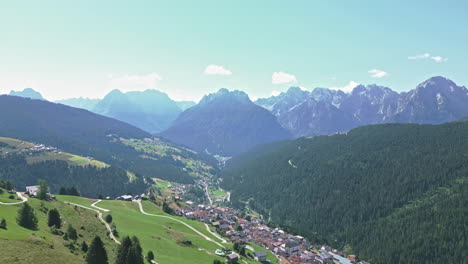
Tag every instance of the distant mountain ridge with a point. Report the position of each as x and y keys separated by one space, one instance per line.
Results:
x=81 y=102
x=325 y=111
x=27 y=93
x=225 y=123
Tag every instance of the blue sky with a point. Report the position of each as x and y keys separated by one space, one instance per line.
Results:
x=87 y=48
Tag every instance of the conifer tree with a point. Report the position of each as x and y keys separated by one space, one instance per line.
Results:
x=43 y=190
x=71 y=232
x=84 y=247
x=26 y=217
x=54 y=219
x=96 y=253
x=130 y=252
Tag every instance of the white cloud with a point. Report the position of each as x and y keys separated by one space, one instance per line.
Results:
x=134 y=82
x=282 y=78
x=347 y=88
x=216 y=70
x=377 y=73
x=439 y=59
x=275 y=93
x=419 y=56
x=428 y=56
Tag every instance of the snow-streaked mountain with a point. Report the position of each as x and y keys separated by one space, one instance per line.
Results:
x=325 y=111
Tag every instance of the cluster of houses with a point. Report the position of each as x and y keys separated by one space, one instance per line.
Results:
x=40 y=148
x=289 y=248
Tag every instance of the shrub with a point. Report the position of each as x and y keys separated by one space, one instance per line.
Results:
x=3 y=224
x=108 y=218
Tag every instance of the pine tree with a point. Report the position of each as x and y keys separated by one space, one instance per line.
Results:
x=54 y=219
x=71 y=232
x=8 y=186
x=73 y=191
x=43 y=190
x=84 y=247
x=96 y=253
x=136 y=253
x=129 y=252
x=26 y=217
x=122 y=251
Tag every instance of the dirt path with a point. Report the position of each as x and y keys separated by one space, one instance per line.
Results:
x=177 y=220
x=100 y=218
x=102 y=209
x=215 y=234
x=20 y=195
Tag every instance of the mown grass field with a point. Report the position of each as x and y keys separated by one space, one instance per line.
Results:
x=4 y=197
x=21 y=245
x=163 y=236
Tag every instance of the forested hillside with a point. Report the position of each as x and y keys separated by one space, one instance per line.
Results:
x=89 y=180
x=84 y=133
x=394 y=192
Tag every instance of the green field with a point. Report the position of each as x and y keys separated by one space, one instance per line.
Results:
x=166 y=237
x=163 y=236
x=4 y=197
x=21 y=245
x=15 y=146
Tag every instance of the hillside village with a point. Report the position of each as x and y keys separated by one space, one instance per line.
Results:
x=287 y=247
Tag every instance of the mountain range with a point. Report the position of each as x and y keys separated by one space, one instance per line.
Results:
x=150 y=110
x=228 y=123
x=225 y=123
x=325 y=111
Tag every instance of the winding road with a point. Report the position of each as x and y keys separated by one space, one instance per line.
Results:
x=20 y=195
x=215 y=234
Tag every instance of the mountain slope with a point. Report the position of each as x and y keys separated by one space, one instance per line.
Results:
x=225 y=123
x=83 y=133
x=83 y=103
x=150 y=110
x=359 y=188
x=27 y=93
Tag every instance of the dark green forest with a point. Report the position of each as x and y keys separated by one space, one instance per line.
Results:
x=395 y=193
x=88 y=180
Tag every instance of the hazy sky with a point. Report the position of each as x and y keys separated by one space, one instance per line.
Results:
x=189 y=48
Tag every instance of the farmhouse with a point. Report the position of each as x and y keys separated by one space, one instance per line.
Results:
x=32 y=190
x=125 y=198
x=232 y=258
